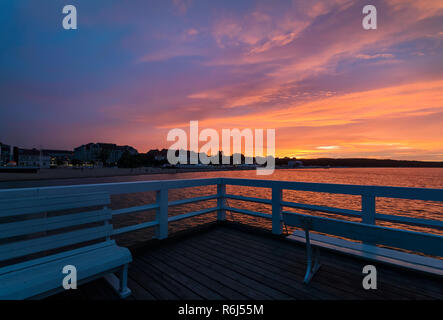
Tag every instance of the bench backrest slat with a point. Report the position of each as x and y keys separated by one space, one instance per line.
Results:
x=26 y=247
x=42 y=223
x=410 y=240
x=14 y=229
x=23 y=206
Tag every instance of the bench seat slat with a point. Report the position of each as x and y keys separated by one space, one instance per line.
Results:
x=48 y=277
x=22 y=206
x=14 y=229
x=48 y=268
x=23 y=248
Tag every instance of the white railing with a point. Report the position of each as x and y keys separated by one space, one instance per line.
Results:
x=368 y=194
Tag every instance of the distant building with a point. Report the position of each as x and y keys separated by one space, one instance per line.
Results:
x=8 y=155
x=33 y=158
x=117 y=153
x=294 y=164
x=158 y=155
x=5 y=154
x=59 y=157
x=105 y=153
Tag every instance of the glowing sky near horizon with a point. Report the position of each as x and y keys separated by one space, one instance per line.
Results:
x=135 y=69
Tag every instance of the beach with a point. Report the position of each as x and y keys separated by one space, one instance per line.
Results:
x=73 y=173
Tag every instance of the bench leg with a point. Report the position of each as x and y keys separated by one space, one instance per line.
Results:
x=120 y=283
x=123 y=289
x=312 y=267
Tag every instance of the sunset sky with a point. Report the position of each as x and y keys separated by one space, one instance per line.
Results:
x=135 y=69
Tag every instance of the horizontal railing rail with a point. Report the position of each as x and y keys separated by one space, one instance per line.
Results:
x=368 y=194
x=367 y=214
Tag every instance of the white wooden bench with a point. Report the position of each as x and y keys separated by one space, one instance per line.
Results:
x=37 y=226
x=371 y=235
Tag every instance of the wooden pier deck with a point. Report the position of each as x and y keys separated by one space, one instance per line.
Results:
x=227 y=261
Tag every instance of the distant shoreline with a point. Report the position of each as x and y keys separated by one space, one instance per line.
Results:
x=70 y=173
x=78 y=173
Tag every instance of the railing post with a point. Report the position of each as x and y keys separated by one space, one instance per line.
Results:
x=368 y=208
x=161 y=230
x=221 y=202
x=276 y=210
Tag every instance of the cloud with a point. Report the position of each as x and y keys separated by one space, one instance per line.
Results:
x=167 y=54
x=192 y=32
x=306 y=68
x=356 y=124
x=374 y=56
x=328 y=147
x=181 y=7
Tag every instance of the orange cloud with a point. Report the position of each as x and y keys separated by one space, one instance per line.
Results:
x=383 y=122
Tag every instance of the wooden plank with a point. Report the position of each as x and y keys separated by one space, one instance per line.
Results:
x=339 y=211
x=236 y=259
x=200 y=289
x=249 y=199
x=87 y=264
x=225 y=275
x=264 y=279
x=150 y=283
x=8 y=230
x=135 y=209
x=285 y=272
x=197 y=273
x=437 y=224
x=191 y=200
x=143 y=186
x=23 y=248
x=166 y=281
x=135 y=227
x=378 y=191
x=54 y=257
x=342 y=266
x=30 y=205
x=250 y=212
x=191 y=214
x=290 y=263
x=280 y=253
x=99 y=290
x=111 y=188
x=139 y=292
x=292 y=271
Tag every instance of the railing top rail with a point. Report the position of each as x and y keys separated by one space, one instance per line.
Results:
x=153 y=185
x=111 y=188
x=377 y=191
